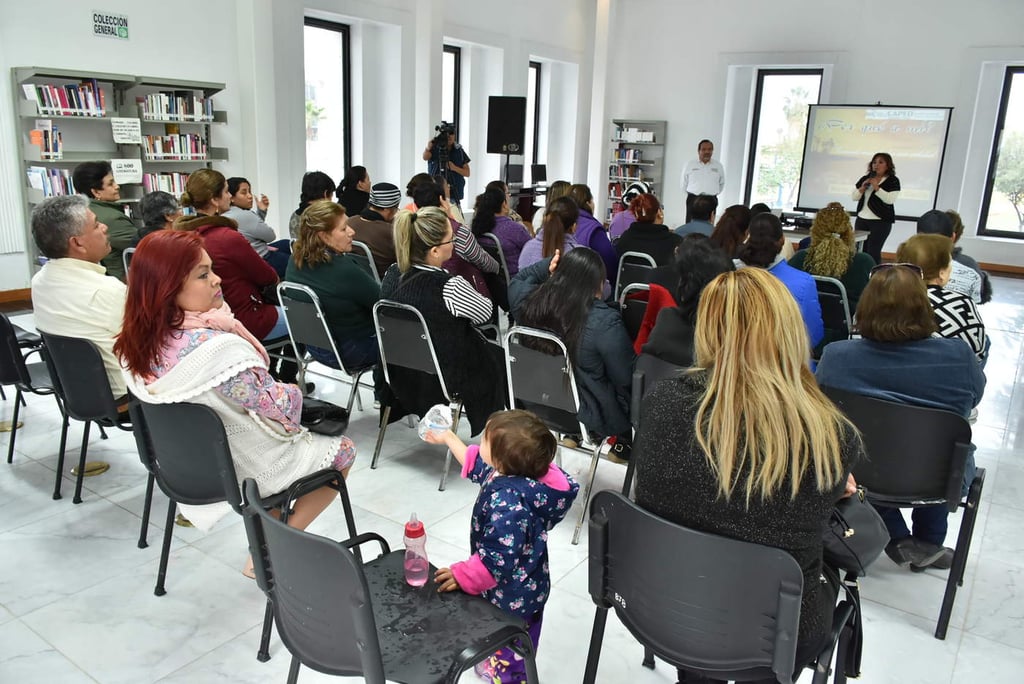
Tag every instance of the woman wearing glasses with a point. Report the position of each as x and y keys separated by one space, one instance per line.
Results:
x=955 y=314
x=901 y=359
x=473 y=368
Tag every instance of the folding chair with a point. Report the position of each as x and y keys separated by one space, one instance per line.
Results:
x=307 y=325
x=126 y=258
x=634 y=267
x=361 y=251
x=404 y=341
x=340 y=616
x=633 y=306
x=916 y=456
x=727 y=609
x=835 y=310
x=26 y=377
x=544 y=383
x=194 y=467
x=493 y=247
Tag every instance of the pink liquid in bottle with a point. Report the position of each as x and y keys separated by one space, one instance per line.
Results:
x=417 y=568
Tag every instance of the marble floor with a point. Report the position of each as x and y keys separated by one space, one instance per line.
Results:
x=77 y=603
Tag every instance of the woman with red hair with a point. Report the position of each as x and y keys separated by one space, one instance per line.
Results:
x=181 y=343
x=648 y=234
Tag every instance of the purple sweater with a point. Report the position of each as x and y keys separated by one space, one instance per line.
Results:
x=590 y=233
x=513 y=237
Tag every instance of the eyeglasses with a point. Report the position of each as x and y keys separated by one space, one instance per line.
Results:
x=446 y=242
x=913 y=267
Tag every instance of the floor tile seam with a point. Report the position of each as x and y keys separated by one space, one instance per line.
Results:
x=55 y=648
x=932 y=618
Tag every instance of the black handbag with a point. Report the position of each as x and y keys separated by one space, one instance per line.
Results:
x=323 y=417
x=855 y=535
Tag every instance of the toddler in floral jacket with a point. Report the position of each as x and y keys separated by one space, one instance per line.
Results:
x=523 y=494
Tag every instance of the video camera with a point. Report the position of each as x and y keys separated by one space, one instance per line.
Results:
x=440 y=145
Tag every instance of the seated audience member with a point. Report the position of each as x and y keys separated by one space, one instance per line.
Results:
x=159 y=212
x=491 y=215
x=961 y=258
x=832 y=253
x=354 y=190
x=702 y=216
x=731 y=230
x=697 y=263
x=759 y=208
x=181 y=344
x=624 y=219
x=900 y=359
x=243 y=273
x=71 y=294
x=746 y=446
x=322 y=260
x=473 y=368
x=955 y=314
x=96 y=181
x=589 y=231
x=373 y=226
x=252 y=226
x=559 y=188
x=761 y=250
x=648 y=234
x=962 y=279
x=556 y=235
x=501 y=187
x=410 y=188
x=315 y=185
x=787 y=247
x=569 y=303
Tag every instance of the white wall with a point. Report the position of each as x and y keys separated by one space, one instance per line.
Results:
x=670 y=59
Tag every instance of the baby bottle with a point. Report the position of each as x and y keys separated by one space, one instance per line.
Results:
x=416 y=566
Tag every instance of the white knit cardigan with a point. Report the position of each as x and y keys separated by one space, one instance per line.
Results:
x=260 y=448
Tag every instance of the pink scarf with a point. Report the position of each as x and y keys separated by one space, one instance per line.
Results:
x=222 y=319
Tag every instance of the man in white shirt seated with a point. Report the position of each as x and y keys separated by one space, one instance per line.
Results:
x=963 y=279
x=71 y=295
x=702 y=176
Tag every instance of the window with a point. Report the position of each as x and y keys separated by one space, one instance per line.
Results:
x=328 y=97
x=1002 y=209
x=777 y=139
x=532 y=151
x=451 y=78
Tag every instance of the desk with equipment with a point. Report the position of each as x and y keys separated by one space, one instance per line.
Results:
x=796 y=227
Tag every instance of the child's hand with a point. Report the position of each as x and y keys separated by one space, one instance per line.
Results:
x=445 y=580
x=436 y=436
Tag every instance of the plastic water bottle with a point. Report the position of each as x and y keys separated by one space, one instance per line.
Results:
x=437 y=420
x=416 y=566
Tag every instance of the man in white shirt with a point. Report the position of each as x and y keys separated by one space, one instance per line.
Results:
x=702 y=176
x=72 y=294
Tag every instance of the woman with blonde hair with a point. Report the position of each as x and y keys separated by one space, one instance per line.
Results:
x=955 y=313
x=472 y=367
x=832 y=252
x=745 y=444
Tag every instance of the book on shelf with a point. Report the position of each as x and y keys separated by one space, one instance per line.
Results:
x=51 y=182
x=634 y=135
x=185 y=146
x=173 y=183
x=175 y=105
x=628 y=155
x=84 y=99
x=48 y=139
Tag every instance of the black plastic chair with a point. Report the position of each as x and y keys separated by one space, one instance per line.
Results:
x=404 y=341
x=647 y=372
x=80 y=380
x=725 y=608
x=364 y=256
x=26 y=377
x=634 y=267
x=342 y=617
x=543 y=382
x=307 y=326
x=916 y=456
x=835 y=310
x=194 y=467
x=633 y=305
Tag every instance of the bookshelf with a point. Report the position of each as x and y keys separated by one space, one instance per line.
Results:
x=637 y=153
x=64 y=117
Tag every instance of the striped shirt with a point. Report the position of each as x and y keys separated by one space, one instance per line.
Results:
x=461 y=300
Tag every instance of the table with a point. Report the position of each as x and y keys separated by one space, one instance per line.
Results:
x=797 y=234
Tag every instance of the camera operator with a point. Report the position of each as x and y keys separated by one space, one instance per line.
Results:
x=457 y=168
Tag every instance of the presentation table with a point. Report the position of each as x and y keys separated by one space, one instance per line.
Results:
x=795 y=234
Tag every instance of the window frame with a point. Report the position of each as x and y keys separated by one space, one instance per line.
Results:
x=755 y=119
x=536 y=110
x=993 y=159
x=346 y=88
x=456 y=52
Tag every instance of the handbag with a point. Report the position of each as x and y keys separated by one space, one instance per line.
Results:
x=323 y=417
x=855 y=535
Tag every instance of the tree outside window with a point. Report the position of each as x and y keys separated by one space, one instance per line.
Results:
x=1003 y=206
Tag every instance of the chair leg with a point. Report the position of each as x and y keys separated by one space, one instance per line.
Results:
x=144 y=528
x=165 y=551
x=60 y=456
x=81 y=463
x=648 y=660
x=963 y=544
x=972 y=503
x=103 y=432
x=22 y=400
x=586 y=492
x=353 y=395
x=448 y=453
x=293 y=671
x=263 y=655
x=380 y=436
x=596 y=641
x=14 y=425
